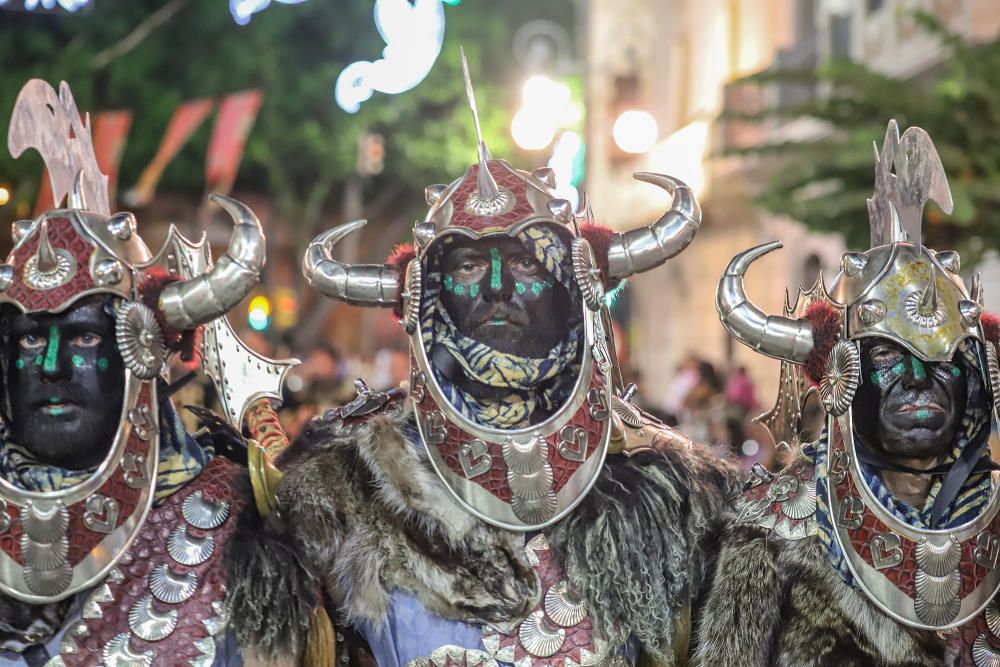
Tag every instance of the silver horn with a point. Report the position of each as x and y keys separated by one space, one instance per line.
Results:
x=774 y=335
x=189 y=303
x=642 y=249
x=361 y=285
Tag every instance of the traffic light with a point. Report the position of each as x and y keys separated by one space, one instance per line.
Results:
x=371 y=154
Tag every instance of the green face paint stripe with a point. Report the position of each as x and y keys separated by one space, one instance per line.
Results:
x=521 y=289
x=56 y=411
x=536 y=288
x=919 y=372
x=102 y=364
x=77 y=360
x=19 y=363
x=52 y=351
x=474 y=289
x=495 y=264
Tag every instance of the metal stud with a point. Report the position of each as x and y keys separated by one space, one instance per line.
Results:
x=19 y=229
x=950 y=260
x=971 y=312
x=561 y=210
x=432 y=193
x=122 y=225
x=118 y=652
x=423 y=233
x=872 y=312
x=854 y=263
x=108 y=272
x=187 y=549
x=546 y=175
x=172 y=587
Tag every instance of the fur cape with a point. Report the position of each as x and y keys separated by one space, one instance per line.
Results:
x=779 y=602
x=363 y=513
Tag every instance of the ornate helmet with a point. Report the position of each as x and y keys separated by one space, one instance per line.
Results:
x=520 y=478
x=54 y=544
x=903 y=291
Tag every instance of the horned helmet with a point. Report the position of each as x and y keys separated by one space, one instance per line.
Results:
x=521 y=478
x=903 y=291
x=54 y=544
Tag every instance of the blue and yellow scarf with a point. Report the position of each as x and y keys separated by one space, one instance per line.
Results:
x=533 y=383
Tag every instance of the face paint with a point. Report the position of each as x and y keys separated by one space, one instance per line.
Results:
x=507 y=299
x=910 y=408
x=495 y=277
x=65 y=382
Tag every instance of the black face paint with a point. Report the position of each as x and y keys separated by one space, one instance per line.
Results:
x=66 y=382
x=497 y=293
x=906 y=407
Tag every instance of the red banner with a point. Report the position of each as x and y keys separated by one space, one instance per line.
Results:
x=110 y=134
x=225 y=149
x=186 y=119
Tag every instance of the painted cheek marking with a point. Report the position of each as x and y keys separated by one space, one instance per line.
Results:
x=77 y=360
x=521 y=289
x=19 y=363
x=923 y=415
x=536 y=288
x=102 y=364
x=956 y=371
x=495 y=269
x=38 y=360
x=474 y=290
x=52 y=351
x=449 y=283
x=459 y=289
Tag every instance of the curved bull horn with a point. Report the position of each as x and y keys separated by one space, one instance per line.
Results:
x=774 y=335
x=201 y=299
x=642 y=249
x=361 y=285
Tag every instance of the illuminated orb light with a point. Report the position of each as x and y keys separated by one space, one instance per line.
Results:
x=259 y=313
x=242 y=10
x=635 y=131
x=4 y=196
x=564 y=154
x=532 y=130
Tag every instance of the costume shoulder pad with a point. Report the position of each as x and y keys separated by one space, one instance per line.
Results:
x=784 y=504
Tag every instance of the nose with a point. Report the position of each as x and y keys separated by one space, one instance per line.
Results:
x=54 y=365
x=915 y=375
x=499 y=281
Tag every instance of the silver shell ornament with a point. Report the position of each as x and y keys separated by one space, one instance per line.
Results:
x=587 y=274
x=140 y=340
x=842 y=377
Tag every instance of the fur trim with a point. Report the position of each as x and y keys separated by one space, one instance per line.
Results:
x=779 y=602
x=270 y=593
x=185 y=342
x=635 y=547
x=991 y=328
x=599 y=237
x=398 y=259
x=366 y=513
x=827 y=325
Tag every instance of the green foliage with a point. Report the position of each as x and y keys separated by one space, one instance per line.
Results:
x=825 y=182
x=303 y=147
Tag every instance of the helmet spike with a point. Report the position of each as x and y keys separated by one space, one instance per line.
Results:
x=929 y=299
x=486 y=186
x=46 y=261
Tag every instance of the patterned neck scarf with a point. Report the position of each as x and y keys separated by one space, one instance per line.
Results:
x=970 y=501
x=181 y=460
x=532 y=383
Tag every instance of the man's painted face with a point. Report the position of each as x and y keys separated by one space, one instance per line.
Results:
x=65 y=382
x=498 y=294
x=906 y=407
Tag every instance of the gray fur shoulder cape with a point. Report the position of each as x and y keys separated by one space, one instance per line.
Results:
x=362 y=513
x=777 y=600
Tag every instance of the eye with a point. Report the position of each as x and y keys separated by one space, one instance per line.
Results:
x=86 y=340
x=883 y=354
x=527 y=265
x=31 y=342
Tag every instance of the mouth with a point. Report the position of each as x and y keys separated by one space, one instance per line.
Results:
x=921 y=407
x=56 y=406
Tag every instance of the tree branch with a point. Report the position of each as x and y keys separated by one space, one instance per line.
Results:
x=139 y=33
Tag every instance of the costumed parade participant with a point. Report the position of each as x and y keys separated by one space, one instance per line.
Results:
x=113 y=518
x=513 y=506
x=880 y=545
